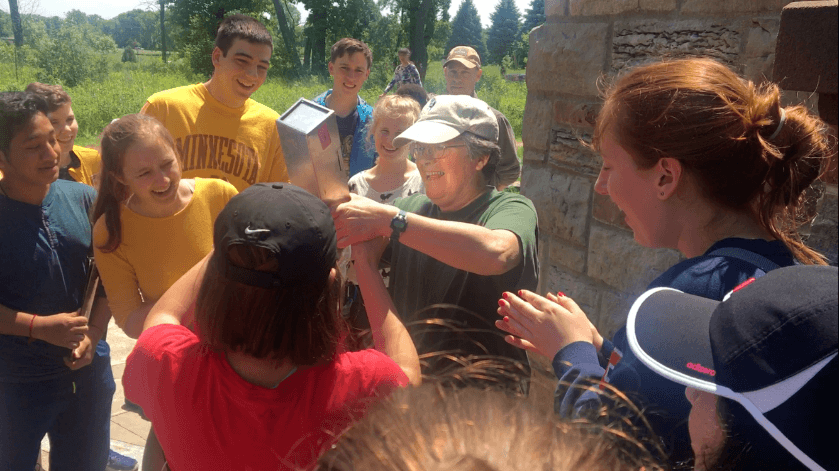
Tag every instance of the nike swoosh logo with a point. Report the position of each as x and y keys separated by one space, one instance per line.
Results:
x=249 y=231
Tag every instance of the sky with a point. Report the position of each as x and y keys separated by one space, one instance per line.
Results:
x=111 y=8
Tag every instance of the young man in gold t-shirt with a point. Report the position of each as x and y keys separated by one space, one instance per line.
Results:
x=220 y=131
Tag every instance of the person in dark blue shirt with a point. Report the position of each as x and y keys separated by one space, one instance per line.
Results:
x=702 y=161
x=55 y=373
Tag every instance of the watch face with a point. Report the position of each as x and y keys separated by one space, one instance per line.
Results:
x=399 y=222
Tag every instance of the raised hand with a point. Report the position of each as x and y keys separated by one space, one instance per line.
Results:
x=544 y=325
x=361 y=219
x=66 y=329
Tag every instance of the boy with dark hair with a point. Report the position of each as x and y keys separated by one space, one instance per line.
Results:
x=349 y=65
x=220 y=131
x=55 y=373
x=78 y=164
x=241 y=27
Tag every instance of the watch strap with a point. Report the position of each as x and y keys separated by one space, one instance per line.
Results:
x=398 y=224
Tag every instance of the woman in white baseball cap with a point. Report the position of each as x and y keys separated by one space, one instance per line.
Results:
x=456 y=248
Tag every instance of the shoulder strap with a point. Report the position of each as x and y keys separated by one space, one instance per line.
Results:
x=747 y=256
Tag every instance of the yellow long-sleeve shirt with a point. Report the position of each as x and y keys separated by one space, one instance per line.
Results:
x=155 y=252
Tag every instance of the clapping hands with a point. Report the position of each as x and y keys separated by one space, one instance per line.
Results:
x=544 y=325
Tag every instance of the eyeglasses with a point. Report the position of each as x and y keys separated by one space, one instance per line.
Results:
x=427 y=152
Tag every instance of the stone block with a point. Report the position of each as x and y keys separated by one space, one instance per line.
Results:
x=576 y=113
x=567 y=58
x=806 y=50
x=555 y=8
x=829 y=110
x=642 y=41
x=536 y=185
x=657 y=5
x=730 y=6
x=601 y=7
x=759 y=54
x=607 y=212
x=571 y=200
x=561 y=200
x=583 y=291
x=567 y=255
x=569 y=153
x=535 y=156
x=614 y=308
x=617 y=260
x=537 y=121
x=823 y=235
x=758 y=69
x=762 y=35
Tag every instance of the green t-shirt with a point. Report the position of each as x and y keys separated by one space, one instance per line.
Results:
x=453 y=311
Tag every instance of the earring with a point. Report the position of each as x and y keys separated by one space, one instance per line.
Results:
x=662 y=193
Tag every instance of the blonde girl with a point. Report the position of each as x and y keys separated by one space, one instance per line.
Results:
x=394 y=175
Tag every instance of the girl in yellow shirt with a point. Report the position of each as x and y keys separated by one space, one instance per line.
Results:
x=151 y=226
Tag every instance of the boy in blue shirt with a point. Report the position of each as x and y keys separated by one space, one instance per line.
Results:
x=55 y=374
x=349 y=67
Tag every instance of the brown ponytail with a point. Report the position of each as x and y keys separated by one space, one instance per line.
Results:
x=117 y=137
x=718 y=125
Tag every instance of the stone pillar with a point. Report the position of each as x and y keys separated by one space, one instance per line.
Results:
x=586 y=249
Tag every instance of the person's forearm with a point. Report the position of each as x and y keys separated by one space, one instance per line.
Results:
x=389 y=334
x=173 y=306
x=14 y=323
x=464 y=246
x=133 y=326
x=100 y=316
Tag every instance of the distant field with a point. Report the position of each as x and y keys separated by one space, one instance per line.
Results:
x=128 y=85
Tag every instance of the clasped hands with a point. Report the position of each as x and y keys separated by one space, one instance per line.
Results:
x=69 y=330
x=544 y=325
x=361 y=219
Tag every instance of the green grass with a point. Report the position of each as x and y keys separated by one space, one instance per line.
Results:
x=128 y=85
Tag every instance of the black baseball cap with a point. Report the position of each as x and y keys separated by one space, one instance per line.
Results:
x=284 y=219
x=770 y=345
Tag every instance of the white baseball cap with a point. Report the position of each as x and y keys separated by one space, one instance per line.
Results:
x=446 y=117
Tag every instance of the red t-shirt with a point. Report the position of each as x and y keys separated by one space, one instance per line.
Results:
x=207 y=417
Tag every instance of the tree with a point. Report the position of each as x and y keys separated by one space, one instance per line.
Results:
x=419 y=20
x=422 y=18
x=163 y=28
x=534 y=16
x=73 y=54
x=287 y=34
x=316 y=30
x=197 y=23
x=17 y=27
x=504 y=30
x=467 y=30
x=128 y=27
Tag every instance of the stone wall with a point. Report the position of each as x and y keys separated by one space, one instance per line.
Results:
x=586 y=250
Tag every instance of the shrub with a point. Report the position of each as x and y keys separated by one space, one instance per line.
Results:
x=128 y=54
x=72 y=54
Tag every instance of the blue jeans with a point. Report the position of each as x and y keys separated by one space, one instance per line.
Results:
x=74 y=410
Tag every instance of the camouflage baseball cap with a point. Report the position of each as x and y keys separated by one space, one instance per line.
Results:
x=465 y=55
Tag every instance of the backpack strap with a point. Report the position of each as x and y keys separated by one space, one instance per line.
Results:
x=747 y=256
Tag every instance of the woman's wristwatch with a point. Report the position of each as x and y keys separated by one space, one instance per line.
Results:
x=398 y=224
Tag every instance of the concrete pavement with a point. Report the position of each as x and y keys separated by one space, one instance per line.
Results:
x=128 y=429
